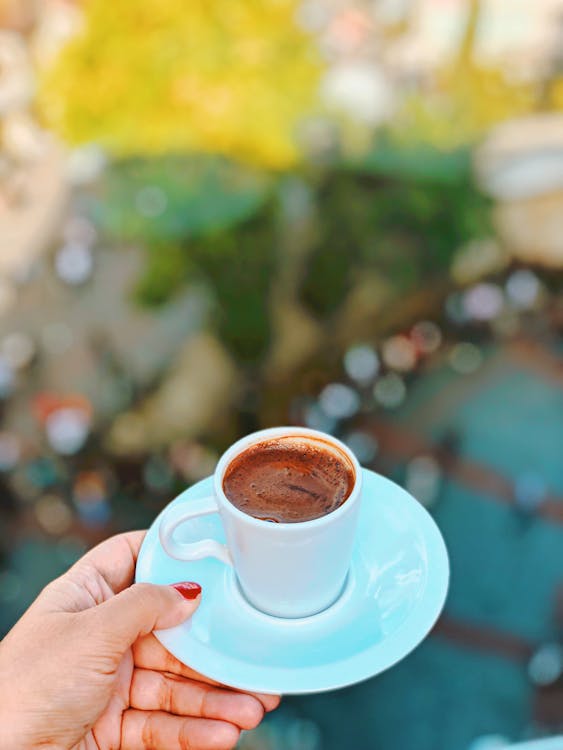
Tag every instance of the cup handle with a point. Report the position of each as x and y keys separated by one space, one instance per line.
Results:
x=179 y=514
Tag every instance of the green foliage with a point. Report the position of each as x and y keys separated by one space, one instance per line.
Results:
x=415 y=162
x=240 y=267
x=401 y=215
x=198 y=218
x=167 y=270
x=236 y=266
x=170 y=198
x=406 y=230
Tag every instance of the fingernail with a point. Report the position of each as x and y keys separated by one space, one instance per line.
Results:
x=188 y=589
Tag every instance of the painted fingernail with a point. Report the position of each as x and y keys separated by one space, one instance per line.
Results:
x=188 y=589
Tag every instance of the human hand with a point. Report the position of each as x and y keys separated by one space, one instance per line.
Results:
x=81 y=670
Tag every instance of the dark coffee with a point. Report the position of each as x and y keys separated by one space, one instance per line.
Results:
x=289 y=479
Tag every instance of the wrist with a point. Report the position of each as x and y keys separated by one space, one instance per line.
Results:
x=14 y=730
x=20 y=724
x=20 y=733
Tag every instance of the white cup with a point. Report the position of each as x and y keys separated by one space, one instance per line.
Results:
x=284 y=569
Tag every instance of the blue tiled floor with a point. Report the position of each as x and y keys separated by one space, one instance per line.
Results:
x=509 y=417
x=504 y=570
x=439 y=698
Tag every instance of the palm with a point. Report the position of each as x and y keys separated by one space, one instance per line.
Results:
x=106 y=732
x=145 y=691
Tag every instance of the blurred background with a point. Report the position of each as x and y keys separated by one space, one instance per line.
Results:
x=345 y=214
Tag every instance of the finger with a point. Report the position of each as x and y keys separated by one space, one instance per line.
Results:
x=270 y=702
x=153 y=691
x=149 y=653
x=140 y=609
x=115 y=559
x=146 y=730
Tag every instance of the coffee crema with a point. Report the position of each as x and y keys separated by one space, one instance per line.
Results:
x=289 y=479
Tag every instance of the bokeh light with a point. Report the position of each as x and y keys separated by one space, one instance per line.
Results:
x=151 y=201
x=465 y=358
x=362 y=444
x=399 y=353
x=67 y=430
x=339 y=401
x=423 y=478
x=53 y=514
x=426 y=336
x=18 y=350
x=483 y=301
x=192 y=460
x=157 y=474
x=523 y=288
x=361 y=363
x=546 y=665
x=390 y=390
x=74 y=264
x=90 y=496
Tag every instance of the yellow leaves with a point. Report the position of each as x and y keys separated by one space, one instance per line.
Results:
x=466 y=98
x=149 y=76
x=467 y=102
x=556 y=94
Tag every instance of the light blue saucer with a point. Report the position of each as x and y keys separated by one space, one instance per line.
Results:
x=395 y=591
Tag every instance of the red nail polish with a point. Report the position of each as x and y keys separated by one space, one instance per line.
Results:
x=188 y=589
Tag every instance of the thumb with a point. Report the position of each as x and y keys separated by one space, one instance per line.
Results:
x=142 y=608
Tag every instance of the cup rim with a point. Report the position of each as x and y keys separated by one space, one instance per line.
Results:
x=271 y=432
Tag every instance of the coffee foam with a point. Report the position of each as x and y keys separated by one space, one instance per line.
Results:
x=289 y=479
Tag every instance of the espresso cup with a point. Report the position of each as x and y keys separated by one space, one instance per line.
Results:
x=283 y=569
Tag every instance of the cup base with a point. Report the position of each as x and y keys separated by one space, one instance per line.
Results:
x=240 y=599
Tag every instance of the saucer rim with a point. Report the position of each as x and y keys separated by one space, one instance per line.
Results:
x=337 y=674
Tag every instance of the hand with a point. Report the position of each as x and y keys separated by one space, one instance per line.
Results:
x=82 y=671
